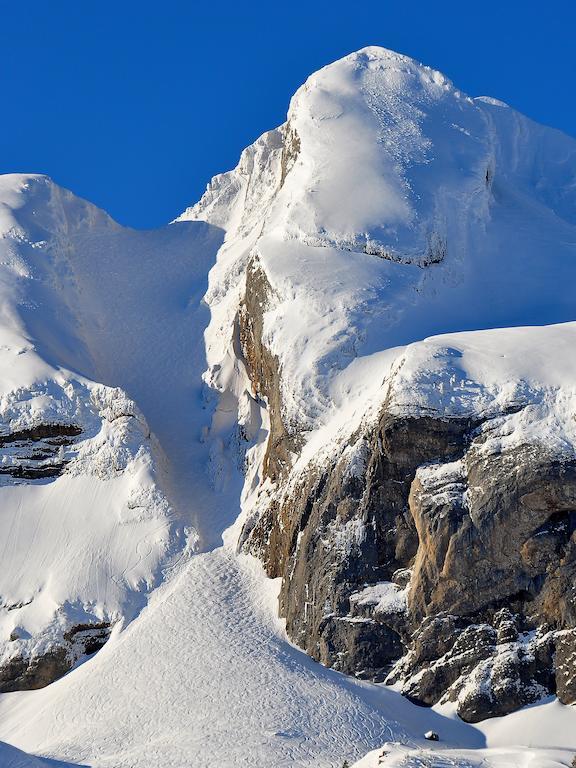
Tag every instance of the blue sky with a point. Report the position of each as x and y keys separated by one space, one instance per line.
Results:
x=136 y=105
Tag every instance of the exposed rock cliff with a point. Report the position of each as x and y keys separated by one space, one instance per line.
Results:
x=438 y=550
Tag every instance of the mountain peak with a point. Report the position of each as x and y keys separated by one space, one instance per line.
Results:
x=278 y=369
x=377 y=58
x=383 y=155
x=378 y=136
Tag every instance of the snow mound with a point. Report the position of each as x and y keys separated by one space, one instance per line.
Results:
x=396 y=755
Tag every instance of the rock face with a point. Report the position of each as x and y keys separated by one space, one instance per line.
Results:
x=32 y=454
x=422 y=551
x=357 y=528
x=264 y=371
x=489 y=548
x=24 y=673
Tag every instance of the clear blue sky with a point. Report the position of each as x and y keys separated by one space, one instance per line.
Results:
x=136 y=105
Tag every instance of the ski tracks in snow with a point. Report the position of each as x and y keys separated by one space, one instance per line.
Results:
x=205 y=677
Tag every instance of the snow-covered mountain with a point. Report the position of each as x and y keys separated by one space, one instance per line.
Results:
x=392 y=206
x=352 y=358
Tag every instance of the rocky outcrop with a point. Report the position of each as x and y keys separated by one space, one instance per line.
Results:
x=419 y=554
x=36 y=452
x=28 y=672
x=496 y=528
x=264 y=371
x=489 y=669
x=565 y=663
x=290 y=151
x=346 y=525
x=23 y=674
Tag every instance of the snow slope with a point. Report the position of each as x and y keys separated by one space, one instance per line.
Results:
x=390 y=207
x=10 y=757
x=384 y=167
x=92 y=321
x=205 y=677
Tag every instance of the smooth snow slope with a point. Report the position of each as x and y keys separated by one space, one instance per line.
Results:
x=88 y=544
x=121 y=307
x=99 y=324
x=10 y=757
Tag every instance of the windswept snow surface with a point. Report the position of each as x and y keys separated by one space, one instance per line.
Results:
x=205 y=677
x=389 y=207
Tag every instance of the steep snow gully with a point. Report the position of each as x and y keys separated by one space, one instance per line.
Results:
x=198 y=670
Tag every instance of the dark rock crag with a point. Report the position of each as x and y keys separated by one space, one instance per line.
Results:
x=37 y=452
x=23 y=673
